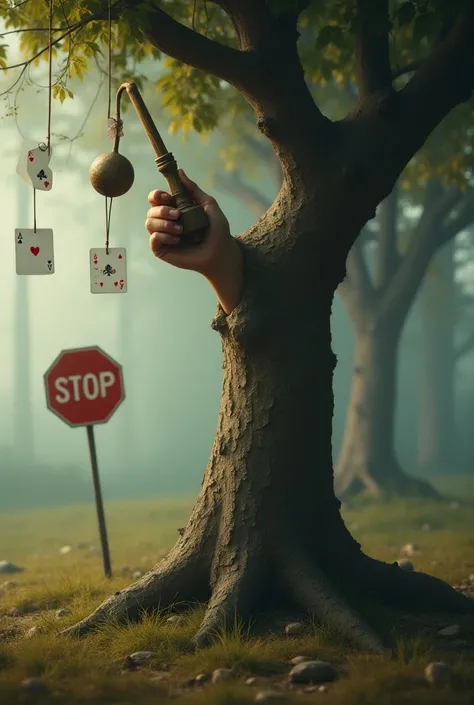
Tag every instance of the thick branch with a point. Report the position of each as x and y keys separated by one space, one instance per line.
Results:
x=464 y=218
x=444 y=80
x=400 y=71
x=255 y=201
x=387 y=252
x=424 y=242
x=373 y=70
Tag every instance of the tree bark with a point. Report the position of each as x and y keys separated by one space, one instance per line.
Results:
x=436 y=431
x=367 y=460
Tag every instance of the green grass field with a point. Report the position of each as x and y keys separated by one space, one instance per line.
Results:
x=91 y=671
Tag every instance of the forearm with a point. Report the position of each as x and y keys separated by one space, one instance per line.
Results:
x=227 y=278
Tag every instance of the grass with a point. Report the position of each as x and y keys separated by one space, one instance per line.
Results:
x=90 y=670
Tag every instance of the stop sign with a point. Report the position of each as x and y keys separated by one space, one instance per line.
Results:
x=84 y=386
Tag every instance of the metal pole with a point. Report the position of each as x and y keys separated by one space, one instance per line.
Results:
x=99 y=503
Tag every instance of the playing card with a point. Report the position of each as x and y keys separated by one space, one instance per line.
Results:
x=34 y=251
x=37 y=166
x=21 y=168
x=108 y=271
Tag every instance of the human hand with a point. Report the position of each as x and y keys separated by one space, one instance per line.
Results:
x=165 y=234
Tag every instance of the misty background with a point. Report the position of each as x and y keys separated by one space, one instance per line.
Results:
x=158 y=442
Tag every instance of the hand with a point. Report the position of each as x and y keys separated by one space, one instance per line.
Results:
x=206 y=257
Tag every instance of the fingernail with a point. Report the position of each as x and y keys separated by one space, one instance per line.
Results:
x=174 y=213
x=177 y=228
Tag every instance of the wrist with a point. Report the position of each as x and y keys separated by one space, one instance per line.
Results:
x=226 y=275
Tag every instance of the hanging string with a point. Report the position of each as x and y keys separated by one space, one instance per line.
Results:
x=110 y=120
x=34 y=211
x=108 y=213
x=109 y=68
x=50 y=82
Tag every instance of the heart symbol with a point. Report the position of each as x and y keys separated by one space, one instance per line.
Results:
x=46 y=184
x=120 y=256
x=115 y=283
x=30 y=157
x=101 y=283
x=34 y=251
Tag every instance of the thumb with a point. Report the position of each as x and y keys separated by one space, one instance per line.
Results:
x=197 y=194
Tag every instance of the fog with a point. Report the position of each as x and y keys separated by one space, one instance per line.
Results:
x=159 y=440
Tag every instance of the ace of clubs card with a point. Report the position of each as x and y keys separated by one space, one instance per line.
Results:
x=108 y=271
x=34 y=251
x=37 y=166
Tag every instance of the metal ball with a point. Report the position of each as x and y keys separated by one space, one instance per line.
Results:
x=111 y=174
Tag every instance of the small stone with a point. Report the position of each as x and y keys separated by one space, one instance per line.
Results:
x=202 y=678
x=323 y=689
x=438 y=673
x=63 y=612
x=139 y=657
x=35 y=685
x=426 y=527
x=405 y=564
x=137 y=574
x=7 y=567
x=14 y=612
x=313 y=672
x=31 y=632
x=299 y=659
x=251 y=681
x=266 y=696
x=221 y=675
x=64 y=550
x=294 y=629
x=176 y=619
x=9 y=585
x=451 y=630
x=409 y=549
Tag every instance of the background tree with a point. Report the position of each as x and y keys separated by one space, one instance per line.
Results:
x=258 y=524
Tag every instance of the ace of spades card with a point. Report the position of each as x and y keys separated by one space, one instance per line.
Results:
x=108 y=271
x=37 y=166
x=34 y=251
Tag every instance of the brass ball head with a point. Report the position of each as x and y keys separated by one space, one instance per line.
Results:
x=111 y=174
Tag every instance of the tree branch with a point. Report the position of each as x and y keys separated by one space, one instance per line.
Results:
x=400 y=71
x=464 y=218
x=238 y=68
x=372 y=52
x=444 y=80
x=388 y=258
x=401 y=292
x=251 y=197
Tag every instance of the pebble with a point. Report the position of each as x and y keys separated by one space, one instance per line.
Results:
x=251 y=681
x=221 y=675
x=294 y=629
x=313 y=672
x=409 y=549
x=266 y=696
x=176 y=619
x=139 y=657
x=405 y=564
x=14 y=612
x=299 y=659
x=438 y=673
x=35 y=685
x=202 y=678
x=63 y=612
x=64 y=550
x=451 y=630
x=7 y=567
x=137 y=574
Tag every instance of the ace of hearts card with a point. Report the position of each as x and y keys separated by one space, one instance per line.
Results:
x=34 y=251
x=108 y=271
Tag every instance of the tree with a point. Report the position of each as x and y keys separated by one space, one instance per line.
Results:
x=258 y=524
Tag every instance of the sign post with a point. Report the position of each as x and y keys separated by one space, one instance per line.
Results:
x=84 y=387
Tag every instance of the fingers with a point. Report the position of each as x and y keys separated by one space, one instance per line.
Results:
x=158 y=239
x=197 y=194
x=155 y=198
x=162 y=219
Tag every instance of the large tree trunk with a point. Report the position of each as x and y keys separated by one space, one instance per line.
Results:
x=258 y=533
x=367 y=459
x=436 y=430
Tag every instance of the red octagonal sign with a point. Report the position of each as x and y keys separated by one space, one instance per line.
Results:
x=84 y=386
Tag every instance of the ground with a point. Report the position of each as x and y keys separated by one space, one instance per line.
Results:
x=91 y=670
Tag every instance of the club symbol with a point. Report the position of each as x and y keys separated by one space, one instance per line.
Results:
x=108 y=270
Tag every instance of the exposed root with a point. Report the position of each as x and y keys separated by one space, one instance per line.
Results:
x=313 y=592
x=173 y=580
x=412 y=590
